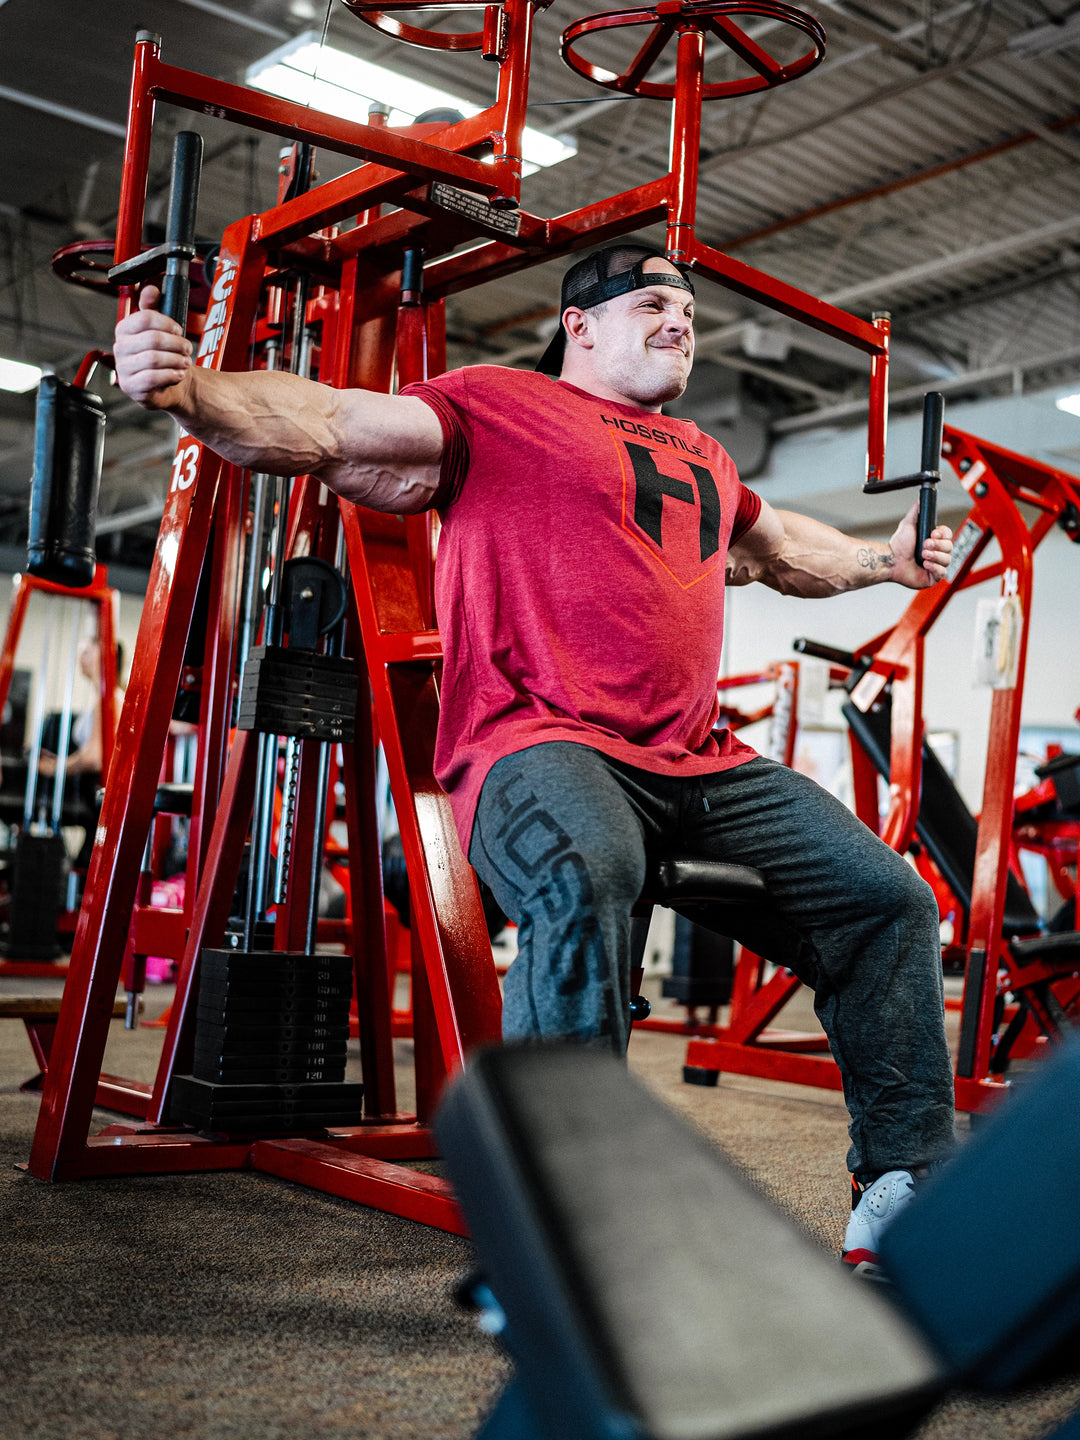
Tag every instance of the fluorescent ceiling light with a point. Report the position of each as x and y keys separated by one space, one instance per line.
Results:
x=18 y=377
x=1069 y=403
x=328 y=79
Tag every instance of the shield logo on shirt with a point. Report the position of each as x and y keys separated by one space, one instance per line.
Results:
x=671 y=505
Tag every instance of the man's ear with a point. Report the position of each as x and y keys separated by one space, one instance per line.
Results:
x=578 y=328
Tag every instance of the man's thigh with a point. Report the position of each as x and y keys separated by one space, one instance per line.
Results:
x=556 y=827
x=826 y=872
x=562 y=846
x=800 y=836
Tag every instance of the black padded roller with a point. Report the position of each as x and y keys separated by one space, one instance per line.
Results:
x=69 y=439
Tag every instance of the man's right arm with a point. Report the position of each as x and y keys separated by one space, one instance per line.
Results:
x=383 y=451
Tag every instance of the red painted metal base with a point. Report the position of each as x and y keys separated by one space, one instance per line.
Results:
x=33 y=969
x=361 y=1163
x=770 y=1059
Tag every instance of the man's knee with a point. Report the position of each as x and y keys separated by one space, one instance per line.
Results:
x=894 y=891
x=913 y=897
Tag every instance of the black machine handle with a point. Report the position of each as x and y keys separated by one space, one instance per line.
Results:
x=175 y=255
x=180 y=225
x=933 y=422
x=928 y=475
x=802 y=646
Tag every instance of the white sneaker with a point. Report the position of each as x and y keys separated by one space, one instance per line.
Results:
x=873 y=1209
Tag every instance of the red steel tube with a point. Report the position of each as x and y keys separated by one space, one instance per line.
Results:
x=129 y=220
x=685 y=142
x=513 y=96
x=879 y=404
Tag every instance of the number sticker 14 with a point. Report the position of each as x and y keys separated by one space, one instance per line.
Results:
x=185 y=467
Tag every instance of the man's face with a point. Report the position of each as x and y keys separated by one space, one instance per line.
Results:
x=642 y=343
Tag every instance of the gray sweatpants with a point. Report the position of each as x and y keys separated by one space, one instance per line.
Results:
x=562 y=835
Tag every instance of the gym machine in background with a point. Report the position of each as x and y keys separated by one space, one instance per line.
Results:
x=44 y=880
x=357 y=306
x=66 y=587
x=1021 y=980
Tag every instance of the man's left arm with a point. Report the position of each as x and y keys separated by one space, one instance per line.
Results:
x=798 y=556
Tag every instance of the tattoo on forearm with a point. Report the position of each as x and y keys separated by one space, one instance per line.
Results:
x=874 y=560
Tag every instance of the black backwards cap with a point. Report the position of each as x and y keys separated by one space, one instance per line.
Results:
x=601 y=276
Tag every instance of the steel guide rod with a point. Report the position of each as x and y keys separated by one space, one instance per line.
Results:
x=335 y=647
x=259 y=899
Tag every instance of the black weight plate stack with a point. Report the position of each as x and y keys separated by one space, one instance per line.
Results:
x=298 y=692
x=37 y=897
x=270 y=1040
x=245 y=1109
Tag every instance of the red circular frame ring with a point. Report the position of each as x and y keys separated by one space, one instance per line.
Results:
x=709 y=16
x=380 y=17
x=87 y=263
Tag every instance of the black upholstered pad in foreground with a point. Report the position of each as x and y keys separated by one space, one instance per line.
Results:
x=649 y=1291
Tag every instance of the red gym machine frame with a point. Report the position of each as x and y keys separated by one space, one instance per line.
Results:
x=998 y=482
x=372 y=336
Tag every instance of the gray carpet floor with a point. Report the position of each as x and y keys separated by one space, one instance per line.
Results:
x=237 y=1306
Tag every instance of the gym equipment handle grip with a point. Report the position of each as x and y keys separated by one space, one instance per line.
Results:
x=180 y=228
x=834 y=656
x=927 y=518
x=933 y=424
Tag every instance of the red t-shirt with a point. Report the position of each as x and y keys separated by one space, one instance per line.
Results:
x=580 y=579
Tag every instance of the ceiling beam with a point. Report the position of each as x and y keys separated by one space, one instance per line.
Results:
x=128 y=519
x=865 y=102
x=883 y=287
x=235 y=17
x=853 y=409
x=63 y=112
x=890 y=187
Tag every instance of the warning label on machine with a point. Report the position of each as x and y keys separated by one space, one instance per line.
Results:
x=474 y=208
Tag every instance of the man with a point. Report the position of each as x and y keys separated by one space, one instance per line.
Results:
x=587 y=538
x=88 y=750
x=86 y=760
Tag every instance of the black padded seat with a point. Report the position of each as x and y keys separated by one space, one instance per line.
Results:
x=689 y=880
x=701 y=976
x=173 y=799
x=1058 y=948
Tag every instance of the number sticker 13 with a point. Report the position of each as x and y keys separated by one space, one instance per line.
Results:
x=185 y=468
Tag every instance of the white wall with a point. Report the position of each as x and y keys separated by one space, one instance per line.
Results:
x=822 y=471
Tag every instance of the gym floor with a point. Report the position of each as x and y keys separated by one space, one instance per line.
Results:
x=233 y=1306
